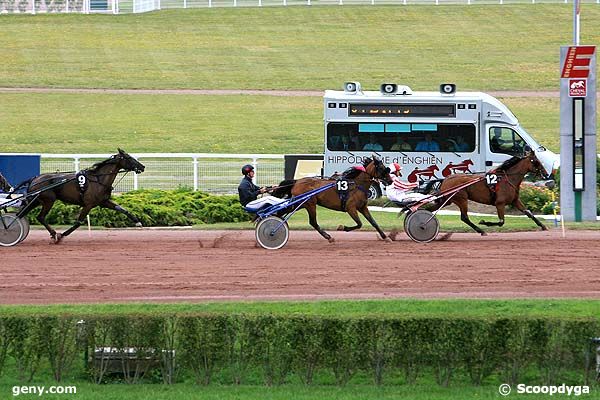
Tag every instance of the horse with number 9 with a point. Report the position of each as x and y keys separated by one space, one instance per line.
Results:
x=99 y=179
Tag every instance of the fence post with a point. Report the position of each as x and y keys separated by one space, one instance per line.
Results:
x=209 y=3
x=135 y=181
x=184 y=3
x=32 y=7
x=255 y=165
x=76 y=164
x=67 y=6
x=195 y=164
x=260 y=3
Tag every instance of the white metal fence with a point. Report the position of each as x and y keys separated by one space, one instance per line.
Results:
x=135 y=6
x=213 y=173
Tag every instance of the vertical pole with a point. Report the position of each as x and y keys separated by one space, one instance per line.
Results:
x=184 y=3
x=255 y=165
x=67 y=6
x=33 y=7
x=195 y=164
x=135 y=181
x=576 y=10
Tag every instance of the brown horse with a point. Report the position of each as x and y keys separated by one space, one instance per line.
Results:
x=358 y=182
x=89 y=192
x=499 y=187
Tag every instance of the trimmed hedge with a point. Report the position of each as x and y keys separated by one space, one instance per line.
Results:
x=156 y=208
x=274 y=349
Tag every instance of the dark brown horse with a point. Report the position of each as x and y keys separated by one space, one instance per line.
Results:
x=358 y=182
x=499 y=187
x=97 y=186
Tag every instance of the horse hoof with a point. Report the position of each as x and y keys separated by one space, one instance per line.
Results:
x=388 y=239
x=393 y=234
x=57 y=238
x=340 y=227
x=331 y=240
x=483 y=234
x=138 y=225
x=544 y=228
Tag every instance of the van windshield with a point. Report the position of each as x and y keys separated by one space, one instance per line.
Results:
x=506 y=141
x=401 y=137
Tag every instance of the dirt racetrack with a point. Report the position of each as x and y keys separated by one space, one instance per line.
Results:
x=192 y=265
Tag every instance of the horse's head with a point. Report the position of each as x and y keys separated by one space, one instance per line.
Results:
x=377 y=170
x=535 y=166
x=128 y=163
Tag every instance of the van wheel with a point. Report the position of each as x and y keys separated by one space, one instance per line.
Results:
x=374 y=192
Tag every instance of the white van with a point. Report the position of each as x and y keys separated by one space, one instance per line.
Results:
x=430 y=134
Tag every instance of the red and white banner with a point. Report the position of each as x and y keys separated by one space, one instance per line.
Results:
x=577 y=62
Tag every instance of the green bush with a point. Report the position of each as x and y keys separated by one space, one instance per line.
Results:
x=276 y=348
x=156 y=208
x=536 y=199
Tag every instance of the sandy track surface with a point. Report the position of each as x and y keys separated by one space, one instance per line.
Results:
x=191 y=265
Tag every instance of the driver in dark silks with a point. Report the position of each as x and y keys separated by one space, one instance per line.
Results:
x=249 y=192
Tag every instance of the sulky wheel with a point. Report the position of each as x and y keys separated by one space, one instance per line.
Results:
x=25 y=223
x=272 y=233
x=422 y=226
x=11 y=230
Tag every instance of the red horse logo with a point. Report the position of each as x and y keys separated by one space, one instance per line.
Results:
x=454 y=168
x=429 y=172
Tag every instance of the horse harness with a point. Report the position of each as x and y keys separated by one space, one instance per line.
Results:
x=344 y=186
x=493 y=180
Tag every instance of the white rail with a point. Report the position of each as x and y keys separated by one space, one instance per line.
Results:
x=214 y=173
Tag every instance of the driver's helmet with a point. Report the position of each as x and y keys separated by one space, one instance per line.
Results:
x=395 y=168
x=246 y=169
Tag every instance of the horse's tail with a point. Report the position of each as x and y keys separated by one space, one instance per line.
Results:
x=284 y=189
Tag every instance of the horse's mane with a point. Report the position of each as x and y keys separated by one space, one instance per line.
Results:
x=511 y=162
x=100 y=164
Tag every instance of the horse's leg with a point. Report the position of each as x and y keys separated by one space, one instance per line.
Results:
x=80 y=221
x=464 y=216
x=519 y=206
x=46 y=207
x=311 y=209
x=500 y=211
x=354 y=214
x=114 y=206
x=365 y=211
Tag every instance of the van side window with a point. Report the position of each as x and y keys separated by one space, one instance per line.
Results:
x=402 y=137
x=506 y=141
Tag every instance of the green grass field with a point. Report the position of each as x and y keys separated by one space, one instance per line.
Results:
x=485 y=48
x=349 y=308
x=97 y=123
x=480 y=47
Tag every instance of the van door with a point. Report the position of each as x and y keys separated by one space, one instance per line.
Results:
x=501 y=142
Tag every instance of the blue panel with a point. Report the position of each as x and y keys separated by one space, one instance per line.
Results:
x=424 y=127
x=18 y=168
x=403 y=128
x=368 y=128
